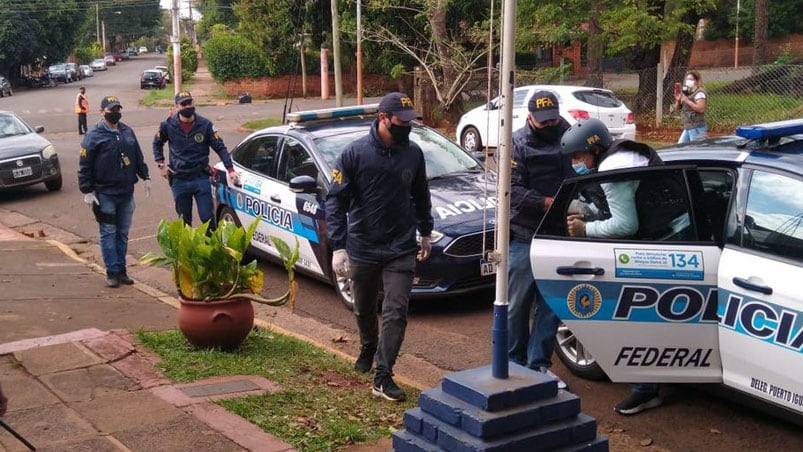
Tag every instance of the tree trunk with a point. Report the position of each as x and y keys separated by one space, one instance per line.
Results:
x=595 y=48
x=680 y=58
x=760 y=36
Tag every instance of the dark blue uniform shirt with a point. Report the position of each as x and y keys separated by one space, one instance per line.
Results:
x=110 y=161
x=378 y=197
x=189 y=152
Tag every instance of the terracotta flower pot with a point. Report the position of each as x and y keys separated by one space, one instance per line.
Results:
x=220 y=324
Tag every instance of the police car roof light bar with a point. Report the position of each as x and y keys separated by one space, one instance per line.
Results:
x=770 y=130
x=332 y=113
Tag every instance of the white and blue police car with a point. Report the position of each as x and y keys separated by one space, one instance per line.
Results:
x=285 y=175
x=707 y=289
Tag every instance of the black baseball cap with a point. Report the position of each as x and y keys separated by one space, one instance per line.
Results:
x=110 y=102
x=544 y=106
x=400 y=105
x=183 y=96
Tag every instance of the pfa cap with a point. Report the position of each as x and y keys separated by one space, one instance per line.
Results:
x=544 y=106
x=183 y=96
x=110 y=102
x=399 y=104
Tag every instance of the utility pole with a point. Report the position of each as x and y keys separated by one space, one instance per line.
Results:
x=176 y=49
x=336 y=57
x=192 y=24
x=97 y=22
x=359 y=52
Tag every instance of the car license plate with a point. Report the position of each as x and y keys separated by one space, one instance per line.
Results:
x=22 y=172
x=487 y=268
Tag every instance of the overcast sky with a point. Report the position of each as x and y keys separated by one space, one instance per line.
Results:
x=183 y=6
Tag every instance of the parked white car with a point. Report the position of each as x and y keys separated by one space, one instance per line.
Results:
x=98 y=64
x=143 y=49
x=481 y=126
x=164 y=71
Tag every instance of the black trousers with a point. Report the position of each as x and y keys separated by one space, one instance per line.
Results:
x=81 y=123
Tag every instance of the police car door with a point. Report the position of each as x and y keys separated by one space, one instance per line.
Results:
x=761 y=310
x=644 y=304
x=305 y=215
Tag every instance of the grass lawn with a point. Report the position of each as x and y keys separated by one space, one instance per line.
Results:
x=324 y=405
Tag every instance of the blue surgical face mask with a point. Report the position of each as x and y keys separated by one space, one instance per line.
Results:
x=581 y=168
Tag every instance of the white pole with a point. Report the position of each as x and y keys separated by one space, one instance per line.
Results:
x=176 y=49
x=359 y=52
x=736 y=48
x=336 y=55
x=499 y=362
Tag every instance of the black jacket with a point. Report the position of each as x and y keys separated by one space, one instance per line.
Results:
x=379 y=196
x=538 y=169
x=110 y=161
x=189 y=152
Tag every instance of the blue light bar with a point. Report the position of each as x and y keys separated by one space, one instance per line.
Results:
x=331 y=113
x=771 y=130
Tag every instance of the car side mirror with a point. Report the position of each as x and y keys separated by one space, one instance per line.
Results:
x=39 y=129
x=303 y=184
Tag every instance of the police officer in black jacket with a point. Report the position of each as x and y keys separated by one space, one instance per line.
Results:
x=190 y=136
x=379 y=196
x=537 y=172
x=109 y=163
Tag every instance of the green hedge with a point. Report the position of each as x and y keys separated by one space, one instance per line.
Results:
x=231 y=57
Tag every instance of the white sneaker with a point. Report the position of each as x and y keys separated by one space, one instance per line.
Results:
x=561 y=384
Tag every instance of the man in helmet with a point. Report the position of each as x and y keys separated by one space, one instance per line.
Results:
x=591 y=147
x=538 y=169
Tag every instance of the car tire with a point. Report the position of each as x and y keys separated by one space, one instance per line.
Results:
x=227 y=214
x=54 y=184
x=576 y=357
x=470 y=139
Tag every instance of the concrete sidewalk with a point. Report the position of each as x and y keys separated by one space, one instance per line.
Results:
x=77 y=380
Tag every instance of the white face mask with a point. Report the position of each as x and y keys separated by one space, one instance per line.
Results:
x=689 y=84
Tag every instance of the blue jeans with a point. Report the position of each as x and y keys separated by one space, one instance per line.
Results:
x=693 y=134
x=531 y=348
x=114 y=236
x=396 y=278
x=184 y=190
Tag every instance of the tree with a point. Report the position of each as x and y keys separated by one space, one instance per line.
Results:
x=760 y=38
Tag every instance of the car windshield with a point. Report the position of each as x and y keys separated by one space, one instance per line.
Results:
x=442 y=155
x=11 y=125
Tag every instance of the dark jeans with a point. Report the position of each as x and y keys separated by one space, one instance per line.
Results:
x=396 y=278
x=199 y=188
x=81 y=123
x=114 y=236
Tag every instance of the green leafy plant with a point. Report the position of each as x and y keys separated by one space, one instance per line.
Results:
x=207 y=265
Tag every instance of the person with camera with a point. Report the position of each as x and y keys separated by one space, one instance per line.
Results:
x=691 y=102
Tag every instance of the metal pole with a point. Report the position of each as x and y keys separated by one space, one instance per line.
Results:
x=499 y=362
x=176 y=49
x=97 y=21
x=359 y=52
x=336 y=55
x=736 y=49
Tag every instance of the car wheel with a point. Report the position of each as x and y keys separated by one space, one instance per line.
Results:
x=226 y=214
x=343 y=289
x=576 y=357
x=470 y=139
x=54 y=184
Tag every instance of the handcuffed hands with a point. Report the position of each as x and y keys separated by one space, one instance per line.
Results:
x=575 y=226
x=579 y=208
x=147 y=188
x=426 y=248
x=90 y=199
x=340 y=263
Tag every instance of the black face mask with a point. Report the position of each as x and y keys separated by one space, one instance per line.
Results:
x=400 y=134
x=113 y=117
x=550 y=134
x=187 y=112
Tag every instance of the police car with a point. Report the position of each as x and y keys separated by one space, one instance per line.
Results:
x=285 y=175
x=713 y=298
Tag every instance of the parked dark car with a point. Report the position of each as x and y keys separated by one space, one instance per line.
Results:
x=75 y=71
x=61 y=73
x=5 y=87
x=152 y=78
x=26 y=158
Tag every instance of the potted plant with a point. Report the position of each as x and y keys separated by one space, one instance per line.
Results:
x=215 y=287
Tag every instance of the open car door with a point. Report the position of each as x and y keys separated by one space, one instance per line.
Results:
x=644 y=304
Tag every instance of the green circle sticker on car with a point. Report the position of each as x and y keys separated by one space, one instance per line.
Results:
x=624 y=258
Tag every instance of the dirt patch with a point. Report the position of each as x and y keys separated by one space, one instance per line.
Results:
x=335 y=380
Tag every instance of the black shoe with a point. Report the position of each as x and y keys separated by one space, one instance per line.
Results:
x=366 y=359
x=385 y=387
x=124 y=279
x=637 y=402
x=112 y=281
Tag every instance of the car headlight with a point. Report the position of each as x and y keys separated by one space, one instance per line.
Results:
x=435 y=236
x=49 y=151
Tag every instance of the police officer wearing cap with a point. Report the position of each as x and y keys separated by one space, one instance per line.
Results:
x=190 y=136
x=108 y=166
x=538 y=169
x=379 y=197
